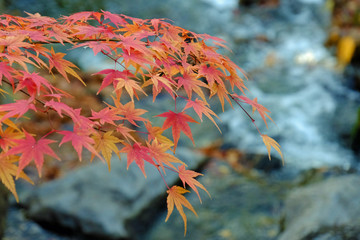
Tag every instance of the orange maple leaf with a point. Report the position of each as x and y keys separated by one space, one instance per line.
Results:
x=63 y=66
x=175 y=197
x=187 y=176
x=201 y=107
x=270 y=142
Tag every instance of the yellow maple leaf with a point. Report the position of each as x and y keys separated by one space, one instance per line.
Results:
x=8 y=171
x=270 y=142
x=175 y=197
x=106 y=144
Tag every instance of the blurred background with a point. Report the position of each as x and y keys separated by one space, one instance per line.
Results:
x=302 y=58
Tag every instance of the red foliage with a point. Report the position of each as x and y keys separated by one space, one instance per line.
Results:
x=149 y=55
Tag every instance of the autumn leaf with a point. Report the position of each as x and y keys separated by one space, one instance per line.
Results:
x=175 y=197
x=255 y=106
x=158 y=152
x=137 y=153
x=18 y=108
x=106 y=144
x=63 y=66
x=201 y=107
x=178 y=122
x=8 y=136
x=8 y=170
x=190 y=83
x=269 y=142
x=130 y=113
x=30 y=149
x=187 y=176
x=79 y=140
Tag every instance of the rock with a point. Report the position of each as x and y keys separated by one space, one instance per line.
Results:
x=3 y=208
x=241 y=207
x=103 y=204
x=327 y=209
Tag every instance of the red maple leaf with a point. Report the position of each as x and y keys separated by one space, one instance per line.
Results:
x=18 y=108
x=79 y=140
x=137 y=153
x=30 y=149
x=178 y=122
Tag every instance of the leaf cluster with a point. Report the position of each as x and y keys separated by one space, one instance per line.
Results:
x=150 y=56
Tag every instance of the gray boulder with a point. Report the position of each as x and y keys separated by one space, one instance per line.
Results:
x=327 y=210
x=102 y=204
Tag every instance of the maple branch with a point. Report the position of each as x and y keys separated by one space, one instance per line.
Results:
x=252 y=120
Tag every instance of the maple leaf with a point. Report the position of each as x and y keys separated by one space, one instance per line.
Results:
x=80 y=16
x=201 y=107
x=18 y=108
x=130 y=113
x=7 y=71
x=130 y=86
x=33 y=83
x=105 y=143
x=175 y=197
x=79 y=139
x=96 y=47
x=178 y=122
x=187 y=176
x=211 y=74
x=113 y=75
x=221 y=93
x=137 y=153
x=30 y=149
x=125 y=131
x=114 y=18
x=106 y=115
x=255 y=106
x=158 y=152
x=7 y=137
x=14 y=43
x=8 y=170
x=270 y=142
x=63 y=66
x=155 y=133
x=191 y=84
x=160 y=83
x=60 y=107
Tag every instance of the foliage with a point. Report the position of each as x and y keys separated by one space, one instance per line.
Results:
x=150 y=56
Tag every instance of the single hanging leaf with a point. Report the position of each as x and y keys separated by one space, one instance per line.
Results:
x=178 y=122
x=187 y=176
x=269 y=142
x=175 y=197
